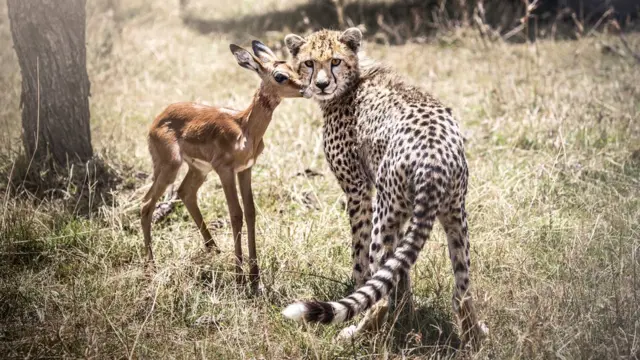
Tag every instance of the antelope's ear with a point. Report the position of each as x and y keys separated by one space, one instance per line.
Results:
x=294 y=42
x=245 y=59
x=352 y=37
x=263 y=52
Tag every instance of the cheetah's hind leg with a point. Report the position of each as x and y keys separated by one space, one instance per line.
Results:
x=455 y=225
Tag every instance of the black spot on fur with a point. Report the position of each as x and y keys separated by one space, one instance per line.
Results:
x=459 y=267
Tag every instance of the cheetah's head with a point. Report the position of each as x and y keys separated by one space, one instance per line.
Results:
x=327 y=61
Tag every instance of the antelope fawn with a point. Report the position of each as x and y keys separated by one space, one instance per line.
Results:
x=221 y=139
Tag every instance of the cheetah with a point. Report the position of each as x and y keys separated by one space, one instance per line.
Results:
x=382 y=134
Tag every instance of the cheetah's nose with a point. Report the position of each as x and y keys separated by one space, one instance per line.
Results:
x=322 y=84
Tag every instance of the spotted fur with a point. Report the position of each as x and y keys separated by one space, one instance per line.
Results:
x=384 y=134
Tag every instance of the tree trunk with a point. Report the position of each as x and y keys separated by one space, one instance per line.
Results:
x=49 y=39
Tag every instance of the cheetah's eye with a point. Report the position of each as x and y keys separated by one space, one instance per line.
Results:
x=335 y=62
x=308 y=63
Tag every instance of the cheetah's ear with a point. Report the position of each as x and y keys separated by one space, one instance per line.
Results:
x=352 y=38
x=294 y=42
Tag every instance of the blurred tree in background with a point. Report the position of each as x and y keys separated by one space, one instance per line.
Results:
x=49 y=40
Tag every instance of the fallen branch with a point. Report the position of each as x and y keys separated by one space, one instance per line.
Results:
x=634 y=54
x=600 y=20
x=166 y=207
x=513 y=32
x=391 y=31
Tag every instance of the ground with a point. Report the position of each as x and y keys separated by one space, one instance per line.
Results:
x=553 y=142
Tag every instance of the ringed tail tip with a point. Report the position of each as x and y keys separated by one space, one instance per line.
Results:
x=295 y=311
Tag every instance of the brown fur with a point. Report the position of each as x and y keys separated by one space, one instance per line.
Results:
x=210 y=134
x=227 y=141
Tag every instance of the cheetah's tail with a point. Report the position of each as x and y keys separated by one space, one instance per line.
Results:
x=381 y=283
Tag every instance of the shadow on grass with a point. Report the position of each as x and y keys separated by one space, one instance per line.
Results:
x=82 y=188
x=427 y=330
x=49 y=210
x=397 y=22
x=20 y=241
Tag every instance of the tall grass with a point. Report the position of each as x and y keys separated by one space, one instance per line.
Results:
x=553 y=141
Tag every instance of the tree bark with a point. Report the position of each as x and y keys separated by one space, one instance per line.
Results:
x=49 y=39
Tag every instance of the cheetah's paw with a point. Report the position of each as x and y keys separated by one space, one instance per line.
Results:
x=348 y=333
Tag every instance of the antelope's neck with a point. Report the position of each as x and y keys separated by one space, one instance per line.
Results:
x=259 y=114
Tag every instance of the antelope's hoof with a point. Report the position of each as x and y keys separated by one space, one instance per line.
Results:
x=241 y=280
x=256 y=290
x=256 y=286
x=212 y=247
x=149 y=268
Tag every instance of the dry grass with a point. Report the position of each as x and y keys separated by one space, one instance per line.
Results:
x=554 y=150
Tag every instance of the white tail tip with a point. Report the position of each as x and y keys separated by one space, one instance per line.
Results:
x=295 y=311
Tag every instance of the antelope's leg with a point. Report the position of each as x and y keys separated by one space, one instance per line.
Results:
x=228 y=180
x=244 y=179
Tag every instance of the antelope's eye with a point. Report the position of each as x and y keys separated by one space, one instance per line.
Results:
x=280 y=78
x=335 y=62
x=308 y=63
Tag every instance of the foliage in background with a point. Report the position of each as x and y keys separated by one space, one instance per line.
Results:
x=401 y=21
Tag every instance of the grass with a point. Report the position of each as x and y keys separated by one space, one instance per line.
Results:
x=553 y=143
